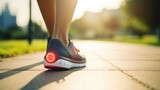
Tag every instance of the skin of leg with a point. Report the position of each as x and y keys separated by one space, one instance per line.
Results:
x=48 y=10
x=64 y=14
x=57 y=15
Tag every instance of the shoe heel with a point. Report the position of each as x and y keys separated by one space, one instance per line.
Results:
x=51 y=57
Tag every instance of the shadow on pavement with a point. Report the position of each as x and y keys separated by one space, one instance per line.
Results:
x=18 y=70
x=48 y=77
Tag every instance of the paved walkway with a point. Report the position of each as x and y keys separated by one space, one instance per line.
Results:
x=110 y=66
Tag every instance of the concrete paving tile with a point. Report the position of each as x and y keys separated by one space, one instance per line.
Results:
x=69 y=80
x=114 y=55
x=137 y=65
x=148 y=77
x=114 y=50
x=19 y=65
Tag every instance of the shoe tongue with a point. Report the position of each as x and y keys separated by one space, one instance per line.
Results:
x=70 y=48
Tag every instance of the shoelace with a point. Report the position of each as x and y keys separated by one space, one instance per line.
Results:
x=77 y=50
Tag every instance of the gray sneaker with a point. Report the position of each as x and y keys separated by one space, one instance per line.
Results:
x=60 y=56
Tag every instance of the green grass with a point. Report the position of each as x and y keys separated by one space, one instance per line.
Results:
x=17 y=47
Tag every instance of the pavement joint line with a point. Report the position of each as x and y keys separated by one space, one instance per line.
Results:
x=134 y=60
x=61 y=70
x=81 y=70
x=132 y=77
x=143 y=70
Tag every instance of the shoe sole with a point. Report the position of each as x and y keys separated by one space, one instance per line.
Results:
x=64 y=64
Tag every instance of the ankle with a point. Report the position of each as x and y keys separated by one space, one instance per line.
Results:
x=65 y=41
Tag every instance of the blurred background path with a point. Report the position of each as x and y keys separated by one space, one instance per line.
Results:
x=110 y=66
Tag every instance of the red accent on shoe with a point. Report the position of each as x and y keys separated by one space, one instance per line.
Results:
x=76 y=49
x=51 y=57
x=53 y=67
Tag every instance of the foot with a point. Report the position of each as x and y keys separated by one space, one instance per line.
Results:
x=60 y=56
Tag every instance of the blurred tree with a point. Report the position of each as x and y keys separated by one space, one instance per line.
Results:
x=96 y=25
x=138 y=15
x=2 y=33
x=38 y=32
x=14 y=32
x=78 y=28
x=17 y=33
x=113 y=24
x=21 y=33
x=142 y=16
x=156 y=18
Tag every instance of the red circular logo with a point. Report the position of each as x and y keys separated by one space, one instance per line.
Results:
x=51 y=57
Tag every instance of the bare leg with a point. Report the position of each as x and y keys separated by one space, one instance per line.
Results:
x=57 y=15
x=64 y=14
x=47 y=8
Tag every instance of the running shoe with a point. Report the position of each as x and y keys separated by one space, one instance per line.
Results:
x=60 y=56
